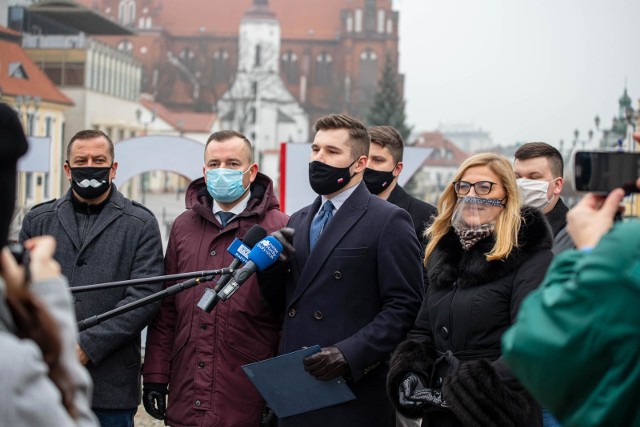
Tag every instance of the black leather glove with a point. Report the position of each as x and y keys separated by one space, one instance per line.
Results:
x=268 y=418
x=412 y=393
x=285 y=236
x=408 y=387
x=327 y=364
x=154 y=398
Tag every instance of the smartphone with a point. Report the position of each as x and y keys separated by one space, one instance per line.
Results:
x=603 y=171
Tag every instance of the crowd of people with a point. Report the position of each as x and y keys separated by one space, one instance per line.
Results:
x=500 y=306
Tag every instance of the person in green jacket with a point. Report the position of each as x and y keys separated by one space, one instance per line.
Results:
x=576 y=343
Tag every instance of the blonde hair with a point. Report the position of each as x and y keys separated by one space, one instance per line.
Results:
x=508 y=221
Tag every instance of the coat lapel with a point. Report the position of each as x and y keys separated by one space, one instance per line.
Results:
x=67 y=218
x=344 y=219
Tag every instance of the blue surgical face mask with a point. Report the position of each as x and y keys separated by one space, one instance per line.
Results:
x=225 y=185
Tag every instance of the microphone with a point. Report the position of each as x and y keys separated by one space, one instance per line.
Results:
x=240 y=252
x=261 y=257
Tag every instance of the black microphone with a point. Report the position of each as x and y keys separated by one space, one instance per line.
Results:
x=261 y=257
x=240 y=251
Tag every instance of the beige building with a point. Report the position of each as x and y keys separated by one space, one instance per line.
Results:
x=42 y=108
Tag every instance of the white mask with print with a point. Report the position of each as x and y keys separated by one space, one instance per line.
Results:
x=533 y=192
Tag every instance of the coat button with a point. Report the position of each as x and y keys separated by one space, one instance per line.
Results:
x=318 y=315
x=292 y=312
x=445 y=332
x=203 y=326
x=197 y=403
x=200 y=365
x=80 y=262
x=337 y=275
x=212 y=253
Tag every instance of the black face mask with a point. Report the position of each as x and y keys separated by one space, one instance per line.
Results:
x=90 y=182
x=378 y=181
x=325 y=179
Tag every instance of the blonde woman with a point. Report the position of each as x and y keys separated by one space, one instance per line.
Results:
x=485 y=254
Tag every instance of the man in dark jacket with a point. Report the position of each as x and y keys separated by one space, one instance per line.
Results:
x=353 y=285
x=381 y=177
x=197 y=356
x=102 y=237
x=540 y=170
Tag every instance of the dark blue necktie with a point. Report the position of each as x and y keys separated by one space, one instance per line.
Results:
x=319 y=222
x=225 y=217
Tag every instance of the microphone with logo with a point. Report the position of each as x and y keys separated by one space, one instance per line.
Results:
x=240 y=251
x=262 y=256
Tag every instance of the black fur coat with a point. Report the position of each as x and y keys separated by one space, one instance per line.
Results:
x=470 y=302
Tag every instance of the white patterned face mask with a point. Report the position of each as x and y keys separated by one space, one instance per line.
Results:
x=533 y=192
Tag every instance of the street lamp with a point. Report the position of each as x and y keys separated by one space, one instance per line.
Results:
x=145 y=123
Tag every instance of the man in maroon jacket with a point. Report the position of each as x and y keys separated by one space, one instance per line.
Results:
x=193 y=356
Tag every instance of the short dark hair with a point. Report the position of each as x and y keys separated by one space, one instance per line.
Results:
x=532 y=150
x=357 y=131
x=224 y=135
x=86 y=134
x=388 y=136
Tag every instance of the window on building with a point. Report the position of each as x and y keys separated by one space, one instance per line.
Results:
x=324 y=68
x=31 y=123
x=368 y=69
x=28 y=185
x=380 y=28
x=48 y=126
x=290 y=67
x=46 y=185
x=125 y=45
x=17 y=71
x=358 y=20
x=127 y=12
x=369 y=16
x=258 y=56
x=221 y=72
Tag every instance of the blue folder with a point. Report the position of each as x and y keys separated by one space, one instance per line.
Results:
x=289 y=390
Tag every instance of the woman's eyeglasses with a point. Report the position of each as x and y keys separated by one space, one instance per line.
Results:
x=482 y=188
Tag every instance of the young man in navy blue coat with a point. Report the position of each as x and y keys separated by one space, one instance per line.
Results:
x=356 y=288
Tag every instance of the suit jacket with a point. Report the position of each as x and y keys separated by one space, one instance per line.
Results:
x=421 y=212
x=360 y=289
x=123 y=243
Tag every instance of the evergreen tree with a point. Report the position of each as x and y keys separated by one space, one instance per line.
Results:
x=388 y=105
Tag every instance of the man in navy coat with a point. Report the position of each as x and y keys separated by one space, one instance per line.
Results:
x=352 y=280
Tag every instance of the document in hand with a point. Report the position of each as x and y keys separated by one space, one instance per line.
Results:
x=289 y=390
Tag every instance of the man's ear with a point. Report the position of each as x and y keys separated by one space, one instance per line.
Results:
x=398 y=169
x=558 y=186
x=361 y=163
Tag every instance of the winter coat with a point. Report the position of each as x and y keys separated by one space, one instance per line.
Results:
x=576 y=344
x=470 y=302
x=358 y=289
x=199 y=354
x=123 y=243
x=422 y=213
x=29 y=397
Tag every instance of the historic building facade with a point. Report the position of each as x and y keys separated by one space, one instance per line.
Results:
x=330 y=57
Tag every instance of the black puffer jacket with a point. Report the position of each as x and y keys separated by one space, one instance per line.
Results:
x=470 y=303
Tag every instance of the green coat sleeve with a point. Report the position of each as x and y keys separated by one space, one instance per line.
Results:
x=576 y=342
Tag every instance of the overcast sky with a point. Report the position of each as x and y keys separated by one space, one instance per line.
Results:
x=522 y=70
